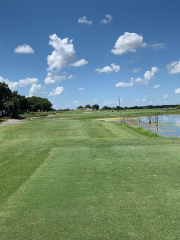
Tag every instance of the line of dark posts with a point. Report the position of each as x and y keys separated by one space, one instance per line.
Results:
x=136 y=120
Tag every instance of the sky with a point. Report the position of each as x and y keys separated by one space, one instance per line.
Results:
x=78 y=52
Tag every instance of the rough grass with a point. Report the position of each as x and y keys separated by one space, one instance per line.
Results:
x=54 y=187
x=145 y=132
x=140 y=130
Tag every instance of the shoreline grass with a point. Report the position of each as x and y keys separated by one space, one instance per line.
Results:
x=145 y=132
x=140 y=130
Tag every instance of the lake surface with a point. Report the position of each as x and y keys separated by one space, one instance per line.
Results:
x=167 y=126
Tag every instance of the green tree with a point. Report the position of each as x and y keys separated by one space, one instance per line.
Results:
x=88 y=106
x=96 y=106
x=118 y=108
x=14 y=103
x=20 y=103
x=39 y=104
x=9 y=105
x=105 y=108
x=23 y=104
x=80 y=107
x=5 y=96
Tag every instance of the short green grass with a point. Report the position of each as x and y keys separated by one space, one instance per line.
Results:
x=87 y=179
x=114 y=114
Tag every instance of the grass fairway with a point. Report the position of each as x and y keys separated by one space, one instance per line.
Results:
x=115 y=114
x=52 y=186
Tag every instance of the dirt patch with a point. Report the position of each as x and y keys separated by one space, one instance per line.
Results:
x=51 y=115
x=10 y=121
x=68 y=117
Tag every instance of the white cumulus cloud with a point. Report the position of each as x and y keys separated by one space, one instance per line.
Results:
x=54 y=78
x=177 y=90
x=122 y=84
x=128 y=43
x=22 y=83
x=63 y=54
x=59 y=77
x=49 y=79
x=85 y=21
x=108 y=18
x=57 y=91
x=36 y=89
x=108 y=69
x=79 y=63
x=12 y=85
x=173 y=67
x=147 y=78
x=81 y=89
x=156 y=86
x=24 y=49
x=27 y=81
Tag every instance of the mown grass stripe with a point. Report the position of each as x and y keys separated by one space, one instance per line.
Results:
x=54 y=187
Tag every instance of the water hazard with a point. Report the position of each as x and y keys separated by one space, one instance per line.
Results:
x=165 y=125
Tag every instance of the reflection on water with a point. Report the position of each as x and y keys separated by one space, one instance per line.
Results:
x=167 y=126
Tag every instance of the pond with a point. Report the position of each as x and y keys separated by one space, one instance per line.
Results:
x=165 y=125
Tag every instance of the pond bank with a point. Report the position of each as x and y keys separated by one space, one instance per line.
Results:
x=164 y=125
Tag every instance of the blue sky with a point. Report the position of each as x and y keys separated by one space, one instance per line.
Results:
x=78 y=52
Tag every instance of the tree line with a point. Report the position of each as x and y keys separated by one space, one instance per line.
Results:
x=12 y=103
x=125 y=108
x=95 y=106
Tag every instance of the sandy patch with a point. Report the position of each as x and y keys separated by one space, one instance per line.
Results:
x=51 y=115
x=10 y=121
x=68 y=117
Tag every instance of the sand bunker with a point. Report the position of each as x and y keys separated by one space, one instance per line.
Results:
x=10 y=121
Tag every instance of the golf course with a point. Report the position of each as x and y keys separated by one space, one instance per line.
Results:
x=66 y=178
